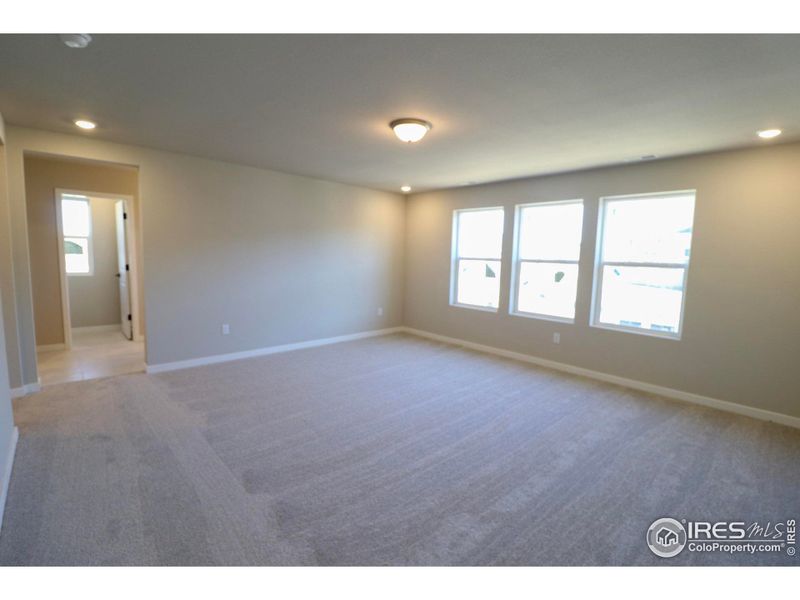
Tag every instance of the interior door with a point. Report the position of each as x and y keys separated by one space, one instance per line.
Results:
x=123 y=269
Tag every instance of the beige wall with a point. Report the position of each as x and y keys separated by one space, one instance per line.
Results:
x=281 y=258
x=741 y=337
x=43 y=175
x=94 y=299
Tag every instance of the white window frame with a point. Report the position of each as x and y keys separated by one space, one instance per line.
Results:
x=597 y=291
x=89 y=238
x=455 y=258
x=517 y=263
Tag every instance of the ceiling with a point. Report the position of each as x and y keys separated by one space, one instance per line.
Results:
x=502 y=106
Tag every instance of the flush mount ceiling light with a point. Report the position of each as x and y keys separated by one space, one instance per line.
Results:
x=769 y=133
x=83 y=124
x=76 y=40
x=410 y=130
x=405 y=189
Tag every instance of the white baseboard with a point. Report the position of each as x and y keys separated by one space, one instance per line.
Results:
x=5 y=480
x=741 y=409
x=50 y=347
x=219 y=358
x=28 y=388
x=97 y=328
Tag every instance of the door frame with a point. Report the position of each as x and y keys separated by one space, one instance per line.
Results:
x=130 y=242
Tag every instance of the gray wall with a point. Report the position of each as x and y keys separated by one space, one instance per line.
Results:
x=6 y=416
x=281 y=258
x=285 y=259
x=741 y=336
x=9 y=314
x=94 y=299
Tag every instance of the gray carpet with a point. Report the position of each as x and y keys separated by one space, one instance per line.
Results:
x=391 y=450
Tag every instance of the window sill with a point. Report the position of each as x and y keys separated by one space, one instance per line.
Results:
x=474 y=307
x=539 y=317
x=646 y=332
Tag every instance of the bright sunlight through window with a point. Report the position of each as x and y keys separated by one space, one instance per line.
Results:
x=546 y=259
x=643 y=262
x=76 y=221
x=477 y=250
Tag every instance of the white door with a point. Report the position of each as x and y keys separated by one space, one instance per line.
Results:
x=123 y=269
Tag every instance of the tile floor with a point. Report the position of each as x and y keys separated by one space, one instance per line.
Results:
x=94 y=354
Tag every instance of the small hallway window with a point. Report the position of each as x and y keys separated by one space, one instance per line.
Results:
x=76 y=217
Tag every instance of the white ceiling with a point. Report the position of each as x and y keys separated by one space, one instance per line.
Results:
x=501 y=106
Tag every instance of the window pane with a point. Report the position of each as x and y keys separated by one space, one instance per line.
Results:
x=643 y=297
x=76 y=255
x=75 y=217
x=480 y=233
x=551 y=231
x=657 y=229
x=479 y=282
x=548 y=289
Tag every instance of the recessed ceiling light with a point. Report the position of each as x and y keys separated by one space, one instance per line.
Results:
x=769 y=133
x=410 y=130
x=76 y=40
x=405 y=189
x=83 y=124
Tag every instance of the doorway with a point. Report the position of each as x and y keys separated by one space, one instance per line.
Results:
x=97 y=277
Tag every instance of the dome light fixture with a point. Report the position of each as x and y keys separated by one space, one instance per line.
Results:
x=84 y=124
x=410 y=130
x=767 y=134
x=76 y=40
x=405 y=189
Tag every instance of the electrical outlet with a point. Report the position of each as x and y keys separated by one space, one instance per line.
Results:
x=380 y=311
x=226 y=329
x=556 y=338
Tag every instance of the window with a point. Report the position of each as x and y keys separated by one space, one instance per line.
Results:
x=76 y=219
x=548 y=247
x=643 y=260
x=477 y=249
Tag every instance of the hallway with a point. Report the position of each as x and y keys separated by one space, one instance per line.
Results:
x=94 y=354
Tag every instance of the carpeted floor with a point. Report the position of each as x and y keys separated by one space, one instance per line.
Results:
x=392 y=450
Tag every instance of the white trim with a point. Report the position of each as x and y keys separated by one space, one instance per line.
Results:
x=63 y=278
x=220 y=358
x=488 y=309
x=131 y=209
x=6 y=480
x=724 y=405
x=50 y=347
x=97 y=328
x=24 y=390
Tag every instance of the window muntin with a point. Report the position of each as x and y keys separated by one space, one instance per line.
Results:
x=76 y=222
x=643 y=261
x=477 y=252
x=548 y=246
